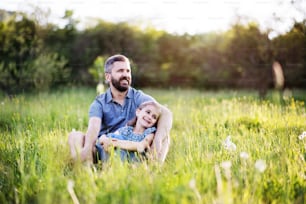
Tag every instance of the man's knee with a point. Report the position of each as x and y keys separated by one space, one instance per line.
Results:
x=76 y=137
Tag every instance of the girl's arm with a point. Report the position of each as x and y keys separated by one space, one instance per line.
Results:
x=134 y=146
x=127 y=145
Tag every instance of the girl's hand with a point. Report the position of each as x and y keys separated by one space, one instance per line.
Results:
x=106 y=142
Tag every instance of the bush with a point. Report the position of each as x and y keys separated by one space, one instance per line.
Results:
x=47 y=70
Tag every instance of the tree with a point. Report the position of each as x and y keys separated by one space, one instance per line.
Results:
x=19 y=42
x=289 y=50
x=250 y=57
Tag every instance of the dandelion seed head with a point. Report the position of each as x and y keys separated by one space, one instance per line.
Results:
x=192 y=183
x=260 y=165
x=226 y=164
x=302 y=136
x=228 y=144
x=244 y=155
x=70 y=184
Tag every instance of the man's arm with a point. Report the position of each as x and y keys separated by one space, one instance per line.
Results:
x=91 y=135
x=161 y=140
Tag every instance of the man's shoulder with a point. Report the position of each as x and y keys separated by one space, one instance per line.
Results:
x=135 y=91
x=104 y=97
x=139 y=94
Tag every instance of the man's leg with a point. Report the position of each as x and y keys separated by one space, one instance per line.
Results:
x=76 y=143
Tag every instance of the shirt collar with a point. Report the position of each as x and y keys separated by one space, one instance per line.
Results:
x=109 y=96
x=130 y=93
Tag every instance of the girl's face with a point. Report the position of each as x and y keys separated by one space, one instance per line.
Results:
x=147 y=116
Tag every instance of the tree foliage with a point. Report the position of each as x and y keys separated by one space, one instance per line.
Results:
x=36 y=56
x=25 y=64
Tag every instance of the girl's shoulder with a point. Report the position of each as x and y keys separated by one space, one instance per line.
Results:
x=150 y=130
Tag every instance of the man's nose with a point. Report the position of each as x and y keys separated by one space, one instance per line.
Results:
x=125 y=73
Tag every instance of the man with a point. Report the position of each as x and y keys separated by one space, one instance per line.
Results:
x=114 y=109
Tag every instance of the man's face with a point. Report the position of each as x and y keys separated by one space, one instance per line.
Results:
x=120 y=76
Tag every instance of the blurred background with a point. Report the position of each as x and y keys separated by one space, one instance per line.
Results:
x=187 y=44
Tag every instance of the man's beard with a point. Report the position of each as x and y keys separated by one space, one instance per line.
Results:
x=116 y=84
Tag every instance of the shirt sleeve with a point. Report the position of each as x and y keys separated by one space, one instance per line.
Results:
x=95 y=109
x=149 y=131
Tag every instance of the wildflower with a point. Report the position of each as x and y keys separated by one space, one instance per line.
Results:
x=226 y=164
x=192 y=183
x=228 y=144
x=260 y=165
x=302 y=136
x=73 y=130
x=244 y=155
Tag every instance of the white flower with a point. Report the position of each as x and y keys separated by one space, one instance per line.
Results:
x=73 y=130
x=244 y=155
x=228 y=144
x=260 y=165
x=302 y=136
x=192 y=183
x=226 y=164
x=70 y=184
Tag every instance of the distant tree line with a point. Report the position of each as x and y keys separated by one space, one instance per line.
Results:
x=36 y=56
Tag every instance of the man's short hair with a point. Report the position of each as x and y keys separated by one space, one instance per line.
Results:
x=111 y=60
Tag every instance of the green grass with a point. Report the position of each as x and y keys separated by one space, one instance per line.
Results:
x=35 y=166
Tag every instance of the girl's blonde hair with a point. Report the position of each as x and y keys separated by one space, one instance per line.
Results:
x=133 y=121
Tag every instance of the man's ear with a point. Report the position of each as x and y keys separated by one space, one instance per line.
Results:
x=107 y=77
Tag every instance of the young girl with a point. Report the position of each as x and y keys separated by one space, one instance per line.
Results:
x=137 y=136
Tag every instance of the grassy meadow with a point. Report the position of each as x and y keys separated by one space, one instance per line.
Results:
x=265 y=163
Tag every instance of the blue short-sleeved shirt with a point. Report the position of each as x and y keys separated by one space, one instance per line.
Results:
x=113 y=115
